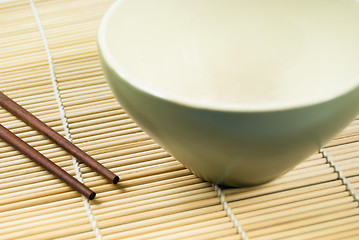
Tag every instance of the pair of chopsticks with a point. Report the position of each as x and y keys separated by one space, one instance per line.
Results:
x=37 y=157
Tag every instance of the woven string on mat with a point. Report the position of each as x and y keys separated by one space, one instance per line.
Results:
x=49 y=64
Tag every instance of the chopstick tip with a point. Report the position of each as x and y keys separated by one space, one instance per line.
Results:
x=115 y=180
x=92 y=195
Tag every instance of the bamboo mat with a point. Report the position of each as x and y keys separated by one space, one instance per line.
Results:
x=49 y=64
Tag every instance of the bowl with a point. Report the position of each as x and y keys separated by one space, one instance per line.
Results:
x=239 y=92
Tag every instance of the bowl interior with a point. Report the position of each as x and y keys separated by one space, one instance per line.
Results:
x=249 y=54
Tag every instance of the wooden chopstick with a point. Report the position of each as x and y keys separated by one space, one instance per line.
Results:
x=37 y=124
x=43 y=161
x=36 y=156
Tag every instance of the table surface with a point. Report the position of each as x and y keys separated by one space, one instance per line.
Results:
x=49 y=64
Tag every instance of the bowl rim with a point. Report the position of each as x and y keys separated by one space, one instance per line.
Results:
x=107 y=57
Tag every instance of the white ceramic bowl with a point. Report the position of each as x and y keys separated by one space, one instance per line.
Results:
x=240 y=92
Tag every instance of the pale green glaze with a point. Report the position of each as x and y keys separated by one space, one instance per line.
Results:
x=229 y=147
x=235 y=148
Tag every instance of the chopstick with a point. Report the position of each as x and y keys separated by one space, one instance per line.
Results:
x=37 y=124
x=43 y=161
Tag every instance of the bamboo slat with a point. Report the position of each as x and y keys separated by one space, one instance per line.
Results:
x=157 y=197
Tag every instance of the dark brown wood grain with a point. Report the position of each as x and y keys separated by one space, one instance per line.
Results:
x=57 y=138
x=43 y=161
